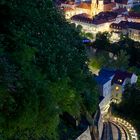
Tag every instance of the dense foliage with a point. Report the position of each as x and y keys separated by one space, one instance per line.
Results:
x=126 y=45
x=109 y=60
x=43 y=71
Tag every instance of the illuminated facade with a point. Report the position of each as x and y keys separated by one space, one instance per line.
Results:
x=111 y=83
x=119 y=81
x=133 y=17
x=132 y=29
x=134 y=34
x=99 y=23
x=94 y=10
x=91 y=8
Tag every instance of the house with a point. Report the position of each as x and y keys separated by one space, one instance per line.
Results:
x=104 y=80
x=124 y=4
x=93 y=7
x=90 y=7
x=119 y=81
x=133 y=17
x=111 y=83
x=100 y=23
x=132 y=29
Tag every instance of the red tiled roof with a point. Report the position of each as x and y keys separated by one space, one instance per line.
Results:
x=84 y=6
x=82 y=17
x=68 y=9
x=101 y=18
x=69 y=2
x=104 y=17
x=109 y=6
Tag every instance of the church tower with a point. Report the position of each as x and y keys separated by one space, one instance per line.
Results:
x=97 y=6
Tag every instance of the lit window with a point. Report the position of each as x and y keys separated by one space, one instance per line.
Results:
x=120 y=80
x=117 y=88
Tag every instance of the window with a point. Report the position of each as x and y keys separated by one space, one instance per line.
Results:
x=120 y=80
x=117 y=88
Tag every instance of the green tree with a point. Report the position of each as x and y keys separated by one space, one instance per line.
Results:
x=121 y=61
x=101 y=59
x=42 y=65
x=98 y=61
x=102 y=40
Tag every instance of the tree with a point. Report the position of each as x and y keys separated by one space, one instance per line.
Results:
x=98 y=61
x=42 y=65
x=89 y=35
x=102 y=60
x=84 y=34
x=121 y=61
x=102 y=40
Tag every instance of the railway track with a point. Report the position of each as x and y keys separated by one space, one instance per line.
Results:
x=108 y=132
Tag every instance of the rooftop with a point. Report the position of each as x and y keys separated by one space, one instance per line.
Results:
x=84 y=5
x=121 y=25
x=133 y=15
x=134 y=25
x=102 y=17
x=104 y=76
x=120 y=11
x=106 y=72
x=68 y=9
x=121 y=1
x=107 y=1
x=69 y=2
x=125 y=24
x=101 y=80
x=82 y=17
x=120 y=77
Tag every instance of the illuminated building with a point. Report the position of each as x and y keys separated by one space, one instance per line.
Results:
x=91 y=8
x=100 y=23
x=98 y=16
x=133 y=17
x=120 y=79
x=111 y=83
x=132 y=29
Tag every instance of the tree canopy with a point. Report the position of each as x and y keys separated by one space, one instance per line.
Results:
x=43 y=71
x=103 y=59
